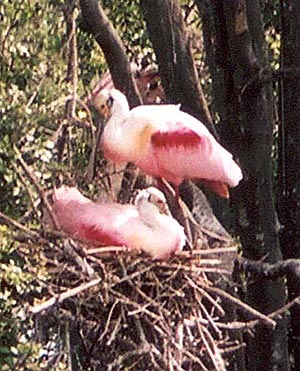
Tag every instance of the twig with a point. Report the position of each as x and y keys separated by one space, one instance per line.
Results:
x=196 y=269
x=36 y=91
x=105 y=331
x=59 y=298
x=129 y=277
x=232 y=349
x=210 y=320
x=201 y=252
x=212 y=350
x=107 y=249
x=207 y=296
x=23 y=181
x=72 y=250
x=39 y=189
x=141 y=308
x=114 y=331
x=22 y=227
x=264 y=318
x=242 y=325
x=285 y=308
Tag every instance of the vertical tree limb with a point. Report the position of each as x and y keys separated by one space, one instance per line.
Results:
x=239 y=57
x=289 y=169
x=175 y=61
x=112 y=47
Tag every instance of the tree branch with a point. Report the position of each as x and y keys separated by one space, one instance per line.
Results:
x=175 y=61
x=267 y=271
x=65 y=295
x=109 y=41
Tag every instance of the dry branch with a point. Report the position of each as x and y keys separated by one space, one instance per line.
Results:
x=61 y=297
x=32 y=234
x=267 y=271
x=169 y=312
x=42 y=194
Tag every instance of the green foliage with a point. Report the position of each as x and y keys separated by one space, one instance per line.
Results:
x=31 y=77
x=35 y=94
x=33 y=91
x=18 y=283
x=272 y=24
x=129 y=22
x=91 y=62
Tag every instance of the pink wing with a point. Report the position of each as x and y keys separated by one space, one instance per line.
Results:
x=97 y=233
x=186 y=151
x=81 y=218
x=179 y=153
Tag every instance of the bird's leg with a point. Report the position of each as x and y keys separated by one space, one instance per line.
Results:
x=177 y=197
x=177 y=207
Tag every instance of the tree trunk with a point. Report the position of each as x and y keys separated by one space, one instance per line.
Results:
x=289 y=187
x=109 y=41
x=247 y=126
x=175 y=62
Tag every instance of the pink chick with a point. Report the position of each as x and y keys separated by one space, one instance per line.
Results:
x=142 y=226
x=165 y=143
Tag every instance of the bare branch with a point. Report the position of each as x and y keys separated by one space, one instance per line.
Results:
x=267 y=271
x=39 y=189
x=57 y=299
x=9 y=221
x=112 y=47
x=175 y=62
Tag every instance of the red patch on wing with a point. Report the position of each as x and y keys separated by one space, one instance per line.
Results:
x=175 y=138
x=95 y=234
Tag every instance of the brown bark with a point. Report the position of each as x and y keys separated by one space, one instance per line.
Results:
x=112 y=47
x=246 y=114
x=289 y=175
x=175 y=62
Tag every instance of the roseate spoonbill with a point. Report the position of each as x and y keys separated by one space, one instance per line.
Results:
x=142 y=226
x=165 y=143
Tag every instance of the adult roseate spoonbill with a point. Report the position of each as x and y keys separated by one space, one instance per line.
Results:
x=165 y=143
x=142 y=226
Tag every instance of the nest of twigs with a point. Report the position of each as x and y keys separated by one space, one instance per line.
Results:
x=124 y=311
x=128 y=312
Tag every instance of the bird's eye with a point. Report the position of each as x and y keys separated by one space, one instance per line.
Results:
x=102 y=106
x=110 y=101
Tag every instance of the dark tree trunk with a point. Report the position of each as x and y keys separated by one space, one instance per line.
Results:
x=236 y=59
x=175 y=62
x=289 y=186
x=99 y=25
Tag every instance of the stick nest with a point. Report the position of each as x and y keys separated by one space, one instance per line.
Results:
x=132 y=313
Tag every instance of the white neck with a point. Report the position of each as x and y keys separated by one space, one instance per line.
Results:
x=120 y=109
x=149 y=214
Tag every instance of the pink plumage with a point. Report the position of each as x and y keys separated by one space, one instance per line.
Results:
x=165 y=143
x=139 y=227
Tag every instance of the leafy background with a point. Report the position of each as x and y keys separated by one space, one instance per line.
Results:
x=35 y=90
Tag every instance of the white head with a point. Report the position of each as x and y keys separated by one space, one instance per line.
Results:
x=154 y=198
x=153 y=210
x=110 y=101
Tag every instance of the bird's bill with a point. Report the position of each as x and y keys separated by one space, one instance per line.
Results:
x=96 y=144
x=164 y=209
